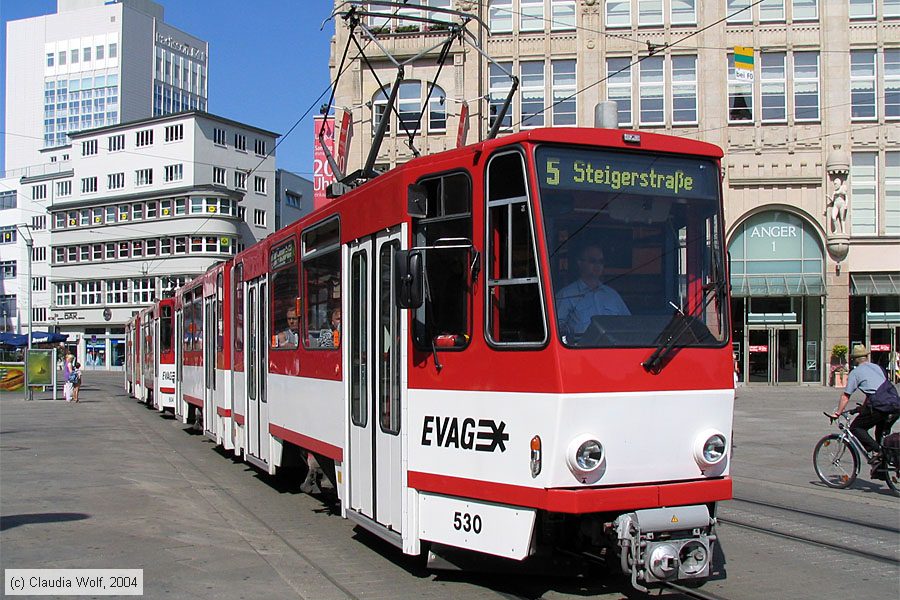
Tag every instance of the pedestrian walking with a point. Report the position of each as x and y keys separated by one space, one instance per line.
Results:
x=76 y=381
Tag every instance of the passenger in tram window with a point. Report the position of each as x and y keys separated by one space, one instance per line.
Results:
x=579 y=301
x=290 y=336
x=330 y=337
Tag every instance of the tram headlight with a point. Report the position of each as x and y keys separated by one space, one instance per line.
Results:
x=710 y=448
x=585 y=455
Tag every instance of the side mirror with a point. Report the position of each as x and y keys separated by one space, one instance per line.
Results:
x=409 y=278
x=416 y=201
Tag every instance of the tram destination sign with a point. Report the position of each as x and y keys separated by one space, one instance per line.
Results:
x=283 y=255
x=642 y=174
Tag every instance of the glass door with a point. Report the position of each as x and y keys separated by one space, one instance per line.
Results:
x=884 y=344
x=758 y=356
x=787 y=355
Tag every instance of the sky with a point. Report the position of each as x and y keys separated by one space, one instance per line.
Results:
x=268 y=62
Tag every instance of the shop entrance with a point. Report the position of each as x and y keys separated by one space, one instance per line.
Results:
x=773 y=355
x=884 y=340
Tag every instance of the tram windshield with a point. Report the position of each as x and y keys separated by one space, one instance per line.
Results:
x=634 y=248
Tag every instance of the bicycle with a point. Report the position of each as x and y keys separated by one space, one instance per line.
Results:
x=837 y=456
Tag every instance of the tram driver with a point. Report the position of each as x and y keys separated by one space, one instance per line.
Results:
x=580 y=301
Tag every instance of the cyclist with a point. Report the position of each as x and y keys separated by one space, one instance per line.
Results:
x=880 y=405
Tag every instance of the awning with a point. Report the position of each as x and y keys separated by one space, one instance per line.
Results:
x=759 y=286
x=874 y=284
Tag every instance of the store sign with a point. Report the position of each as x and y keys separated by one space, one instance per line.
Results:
x=760 y=349
x=172 y=43
x=322 y=174
x=881 y=347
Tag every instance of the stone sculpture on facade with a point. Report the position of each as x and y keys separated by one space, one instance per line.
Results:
x=837 y=205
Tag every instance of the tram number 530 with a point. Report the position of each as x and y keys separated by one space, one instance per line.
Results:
x=466 y=522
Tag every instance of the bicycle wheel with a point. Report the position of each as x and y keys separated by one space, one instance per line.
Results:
x=892 y=477
x=836 y=462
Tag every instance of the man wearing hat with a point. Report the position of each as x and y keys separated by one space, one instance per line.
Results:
x=869 y=378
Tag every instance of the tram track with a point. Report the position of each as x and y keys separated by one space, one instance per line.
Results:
x=809 y=513
x=811 y=542
x=692 y=592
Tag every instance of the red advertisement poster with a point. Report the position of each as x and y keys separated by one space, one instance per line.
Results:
x=322 y=175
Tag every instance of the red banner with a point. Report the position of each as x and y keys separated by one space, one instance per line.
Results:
x=322 y=175
x=344 y=137
x=463 y=130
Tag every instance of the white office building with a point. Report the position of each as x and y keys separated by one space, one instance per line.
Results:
x=136 y=208
x=94 y=63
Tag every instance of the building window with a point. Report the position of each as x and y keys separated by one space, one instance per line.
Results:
x=892 y=82
x=151 y=209
x=39 y=222
x=652 y=107
x=499 y=86
x=165 y=246
x=862 y=84
x=143 y=138
x=152 y=246
x=117 y=291
x=240 y=142
x=115 y=181
x=862 y=9
x=219 y=175
x=531 y=15
x=180 y=206
x=91 y=293
x=39 y=314
x=740 y=96
x=113 y=50
x=564 y=92
x=8 y=269
x=143 y=177
x=242 y=213
x=259 y=146
x=137 y=212
x=84 y=217
x=8 y=234
x=39 y=284
x=618 y=87
x=97 y=252
x=771 y=10
x=683 y=12
x=62 y=58
x=437 y=112
x=773 y=95
x=39 y=254
x=259 y=217
x=64 y=188
x=39 y=192
x=219 y=136
x=88 y=185
x=806 y=86
x=500 y=16
x=293 y=200
x=174 y=172
x=174 y=132
x=99 y=53
x=805 y=10
x=863 y=190
x=89 y=148
x=116 y=142
x=8 y=199
x=618 y=13
x=240 y=180
x=181 y=245
x=65 y=294
x=73 y=55
x=650 y=13
x=50 y=57
x=892 y=193
x=259 y=184
x=532 y=93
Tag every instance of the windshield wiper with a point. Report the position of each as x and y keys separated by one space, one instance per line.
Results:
x=679 y=324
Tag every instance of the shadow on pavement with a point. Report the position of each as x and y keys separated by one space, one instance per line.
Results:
x=10 y=521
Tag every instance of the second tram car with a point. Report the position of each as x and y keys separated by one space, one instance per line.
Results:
x=512 y=348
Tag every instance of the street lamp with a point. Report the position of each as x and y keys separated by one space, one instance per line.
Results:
x=24 y=230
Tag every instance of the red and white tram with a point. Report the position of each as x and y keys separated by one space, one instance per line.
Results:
x=477 y=394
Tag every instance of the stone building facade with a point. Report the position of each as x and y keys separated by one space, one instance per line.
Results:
x=824 y=101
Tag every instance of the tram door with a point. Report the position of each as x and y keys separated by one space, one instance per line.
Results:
x=256 y=326
x=178 y=343
x=209 y=365
x=374 y=375
x=773 y=355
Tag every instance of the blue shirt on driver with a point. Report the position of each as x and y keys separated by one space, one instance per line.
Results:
x=577 y=303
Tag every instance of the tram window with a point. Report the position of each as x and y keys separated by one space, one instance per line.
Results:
x=165 y=329
x=446 y=314
x=187 y=308
x=515 y=313
x=389 y=344
x=198 y=319
x=284 y=322
x=322 y=286
x=238 y=283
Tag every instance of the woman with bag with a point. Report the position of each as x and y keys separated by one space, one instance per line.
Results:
x=67 y=373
